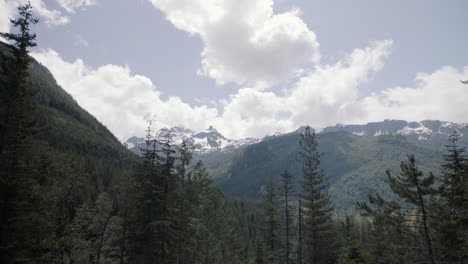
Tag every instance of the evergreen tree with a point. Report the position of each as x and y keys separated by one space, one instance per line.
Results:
x=318 y=228
x=413 y=188
x=402 y=232
x=452 y=212
x=148 y=205
x=20 y=232
x=271 y=222
x=351 y=251
x=186 y=204
x=167 y=197
x=104 y=211
x=389 y=242
x=287 y=194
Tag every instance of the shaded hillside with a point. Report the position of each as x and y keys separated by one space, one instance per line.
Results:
x=69 y=134
x=356 y=165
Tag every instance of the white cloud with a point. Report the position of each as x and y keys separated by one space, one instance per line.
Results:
x=244 y=41
x=439 y=95
x=7 y=11
x=329 y=94
x=325 y=96
x=50 y=17
x=120 y=99
x=72 y=5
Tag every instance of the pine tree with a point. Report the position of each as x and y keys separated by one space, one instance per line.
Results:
x=271 y=223
x=186 y=203
x=167 y=197
x=19 y=230
x=318 y=229
x=148 y=205
x=452 y=220
x=287 y=194
x=413 y=188
x=389 y=242
x=351 y=248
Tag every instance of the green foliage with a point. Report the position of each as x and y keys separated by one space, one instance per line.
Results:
x=451 y=208
x=287 y=195
x=423 y=225
x=19 y=231
x=71 y=193
x=355 y=165
x=271 y=223
x=318 y=229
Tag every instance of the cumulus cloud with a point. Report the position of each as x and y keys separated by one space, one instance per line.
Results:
x=438 y=95
x=50 y=17
x=245 y=42
x=121 y=100
x=324 y=96
x=7 y=11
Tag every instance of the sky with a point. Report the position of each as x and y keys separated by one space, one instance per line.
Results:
x=252 y=67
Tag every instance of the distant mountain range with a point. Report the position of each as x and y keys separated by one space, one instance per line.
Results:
x=202 y=142
x=433 y=132
x=354 y=157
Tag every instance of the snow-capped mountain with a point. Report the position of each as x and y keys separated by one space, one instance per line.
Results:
x=428 y=131
x=423 y=130
x=432 y=132
x=202 y=142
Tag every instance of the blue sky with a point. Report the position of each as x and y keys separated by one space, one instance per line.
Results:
x=251 y=67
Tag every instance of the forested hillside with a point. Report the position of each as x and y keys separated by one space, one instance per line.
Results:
x=356 y=165
x=64 y=131
x=71 y=193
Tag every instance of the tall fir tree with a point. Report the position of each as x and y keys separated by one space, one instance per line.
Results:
x=287 y=194
x=271 y=222
x=148 y=205
x=167 y=197
x=452 y=210
x=318 y=224
x=19 y=229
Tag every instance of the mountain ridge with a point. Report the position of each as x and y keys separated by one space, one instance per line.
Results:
x=434 y=132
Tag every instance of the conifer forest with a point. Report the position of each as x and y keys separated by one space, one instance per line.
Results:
x=72 y=192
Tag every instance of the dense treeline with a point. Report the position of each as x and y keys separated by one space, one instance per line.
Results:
x=71 y=194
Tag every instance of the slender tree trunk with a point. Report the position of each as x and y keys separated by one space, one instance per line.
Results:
x=425 y=227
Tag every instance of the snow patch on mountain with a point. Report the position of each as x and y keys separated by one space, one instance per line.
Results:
x=422 y=131
x=202 y=141
x=211 y=140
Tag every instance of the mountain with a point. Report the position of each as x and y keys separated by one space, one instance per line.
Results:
x=203 y=142
x=69 y=136
x=432 y=132
x=355 y=157
x=355 y=165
